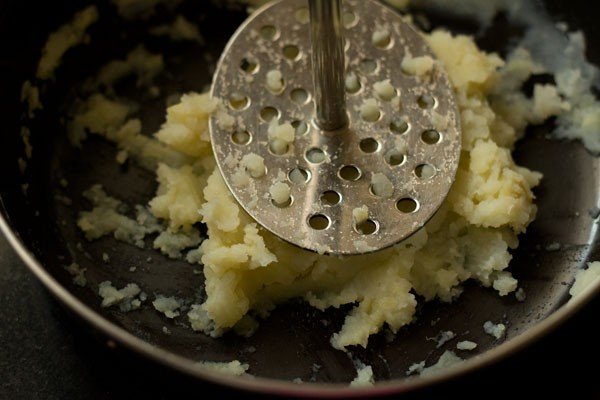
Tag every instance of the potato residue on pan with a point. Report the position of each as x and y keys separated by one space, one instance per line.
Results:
x=247 y=270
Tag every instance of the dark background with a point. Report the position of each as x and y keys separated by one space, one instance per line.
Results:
x=45 y=353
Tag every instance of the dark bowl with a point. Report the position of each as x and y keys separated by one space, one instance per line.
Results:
x=41 y=226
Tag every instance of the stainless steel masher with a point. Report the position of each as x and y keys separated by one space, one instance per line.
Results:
x=342 y=134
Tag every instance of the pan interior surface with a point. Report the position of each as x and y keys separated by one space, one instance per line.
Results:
x=294 y=341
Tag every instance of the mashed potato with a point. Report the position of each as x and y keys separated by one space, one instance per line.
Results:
x=248 y=270
x=585 y=278
x=66 y=37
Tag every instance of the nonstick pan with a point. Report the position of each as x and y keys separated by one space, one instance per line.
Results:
x=294 y=341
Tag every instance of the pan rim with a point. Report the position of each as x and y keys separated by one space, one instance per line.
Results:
x=190 y=368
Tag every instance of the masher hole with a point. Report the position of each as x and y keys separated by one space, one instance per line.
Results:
x=241 y=138
x=369 y=145
x=370 y=115
x=395 y=158
x=302 y=15
x=300 y=127
x=352 y=82
x=425 y=171
x=407 y=205
x=399 y=126
x=239 y=101
x=431 y=136
x=382 y=39
x=291 y=52
x=269 y=32
x=368 y=66
x=285 y=204
x=278 y=147
x=267 y=114
x=319 y=222
x=331 y=198
x=315 y=155
x=426 y=101
x=275 y=82
x=299 y=176
x=349 y=19
x=249 y=65
x=367 y=227
x=350 y=173
x=299 y=96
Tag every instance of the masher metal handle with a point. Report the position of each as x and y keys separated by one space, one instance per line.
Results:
x=328 y=64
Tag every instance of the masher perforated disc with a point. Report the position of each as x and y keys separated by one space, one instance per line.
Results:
x=398 y=157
